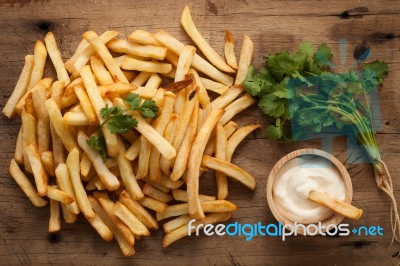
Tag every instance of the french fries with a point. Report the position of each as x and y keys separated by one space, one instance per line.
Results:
x=117 y=157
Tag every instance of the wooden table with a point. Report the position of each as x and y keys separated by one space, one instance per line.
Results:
x=273 y=26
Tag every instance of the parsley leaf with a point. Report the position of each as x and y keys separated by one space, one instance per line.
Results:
x=98 y=144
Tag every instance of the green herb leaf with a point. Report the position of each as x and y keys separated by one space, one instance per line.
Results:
x=98 y=144
x=121 y=123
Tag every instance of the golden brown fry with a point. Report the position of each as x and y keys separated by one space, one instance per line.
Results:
x=133 y=152
x=196 y=154
x=100 y=71
x=184 y=119
x=69 y=217
x=204 y=99
x=188 y=24
x=131 y=48
x=39 y=60
x=58 y=195
x=182 y=231
x=134 y=207
x=134 y=224
x=43 y=125
x=184 y=62
x=229 y=49
x=55 y=57
x=143 y=37
x=237 y=138
x=198 y=63
x=230 y=170
x=181 y=195
x=85 y=166
x=176 y=87
x=220 y=153
x=230 y=128
x=227 y=98
x=108 y=179
x=141 y=79
x=169 y=135
x=166 y=182
x=65 y=184
x=144 y=157
x=98 y=224
x=28 y=126
x=48 y=162
x=85 y=103
x=236 y=107
x=147 y=66
x=54 y=221
x=246 y=55
x=25 y=185
x=43 y=83
x=62 y=130
x=176 y=223
x=216 y=87
x=127 y=175
x=20 y=88
x=153 y=204
x=156 y=194
x=80 y=193
x=105 y=55
x=19 y=147
x=37 y=169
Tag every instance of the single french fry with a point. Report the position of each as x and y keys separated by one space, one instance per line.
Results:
x=220 y=153
x=230 y=128
x=76 y=119
x=127 y=175
x=214 y=86
x=39 y=60
x=229 y=50
x=208 y=206
x=246 y=55
x=109 y=180
x=204 y=99
x=147 y=66
x=236 y=139
x=176 y=223
x=28 y=126
x=19 y=147
x=131 y=48
x=58 y=148
x=100 y=71
x=134 y=207
x=153 y=204
x=85 y=166
x=144 y=157
x=161 y=187
x=166 y=182
x=125 y=246
x=133 y=152
x=58 y=195
x=65 y=184
x=230 y=170
x=80 y=193
x=76 y=63
x=43 y=125
x=141 y=79
x=37 y=169
x=236 y=107
x=156 y=194
x=108 y=206
x=69 y=217
x=48 y=162
x=181 y=195
x=55 y=57
x=169 y=135
x=20 y=88
x=227 y=98
x=188 y=24
x=105 y=55
x=43 y=83
x=182 y=231
x=194 y=163
x=143 y=37
x=184 y=62
x=85 y=103
x=98 y=104
x=54 y=221
x=101 y=228
x=198 y=63
x=62 y=130
x=134 y=224
x=25 y=185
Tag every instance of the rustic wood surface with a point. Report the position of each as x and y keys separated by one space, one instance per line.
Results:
x=273 y=26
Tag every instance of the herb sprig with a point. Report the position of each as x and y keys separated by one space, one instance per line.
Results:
x=119 y=122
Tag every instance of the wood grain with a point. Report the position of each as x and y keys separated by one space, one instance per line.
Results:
x=273 y=26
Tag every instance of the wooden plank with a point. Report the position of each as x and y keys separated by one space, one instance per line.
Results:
x=273 y=26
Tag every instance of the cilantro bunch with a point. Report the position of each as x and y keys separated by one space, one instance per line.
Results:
x=119 y=122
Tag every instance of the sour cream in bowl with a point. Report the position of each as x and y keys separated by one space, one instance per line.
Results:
x=295 y=176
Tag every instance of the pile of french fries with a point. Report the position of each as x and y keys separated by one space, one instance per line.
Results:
x=150 y=169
